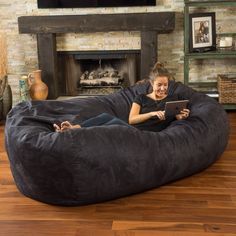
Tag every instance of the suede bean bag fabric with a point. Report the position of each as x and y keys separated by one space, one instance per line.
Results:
x=97 y=164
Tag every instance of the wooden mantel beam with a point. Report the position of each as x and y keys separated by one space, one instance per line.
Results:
x=161 y=22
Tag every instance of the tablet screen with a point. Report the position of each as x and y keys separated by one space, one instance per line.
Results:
x=175 y=107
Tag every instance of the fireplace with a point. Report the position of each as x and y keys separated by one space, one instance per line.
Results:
x=97 y=72
x=46 y=27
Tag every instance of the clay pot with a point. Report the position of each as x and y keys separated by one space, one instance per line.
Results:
x=37 y=88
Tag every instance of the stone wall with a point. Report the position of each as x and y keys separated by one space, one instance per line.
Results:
x=22 y=48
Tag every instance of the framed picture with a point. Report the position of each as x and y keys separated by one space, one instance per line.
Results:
x=202 y=36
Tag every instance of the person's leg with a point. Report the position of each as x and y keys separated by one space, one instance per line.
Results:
x=117 y=121
x=97 y=120
x=103 y=119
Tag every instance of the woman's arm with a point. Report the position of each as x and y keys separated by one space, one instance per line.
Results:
x=135 y=117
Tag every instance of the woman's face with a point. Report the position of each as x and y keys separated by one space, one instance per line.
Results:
x=160 y=86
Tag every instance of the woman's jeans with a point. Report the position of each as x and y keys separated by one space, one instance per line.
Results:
x=103 y=119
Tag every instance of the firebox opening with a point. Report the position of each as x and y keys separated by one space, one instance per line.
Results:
x=97 y=73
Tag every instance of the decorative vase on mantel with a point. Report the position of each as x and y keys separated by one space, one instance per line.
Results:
x=37 y=88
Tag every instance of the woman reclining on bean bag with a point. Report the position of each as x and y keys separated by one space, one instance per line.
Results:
x=147 y=111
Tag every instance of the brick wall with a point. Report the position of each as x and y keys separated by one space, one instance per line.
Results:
x=22 y=48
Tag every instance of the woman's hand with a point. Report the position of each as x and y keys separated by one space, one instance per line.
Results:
x=159 y=114
x=184 y=114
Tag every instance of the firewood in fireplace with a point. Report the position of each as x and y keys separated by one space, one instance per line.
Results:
x=93 y=74
x=101 y=77
x=84 y=75
x=105 y=81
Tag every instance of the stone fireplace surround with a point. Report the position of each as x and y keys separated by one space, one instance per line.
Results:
x=46 y=28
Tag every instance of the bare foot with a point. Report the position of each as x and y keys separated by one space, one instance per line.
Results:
x=57 y=128
x=65 y=125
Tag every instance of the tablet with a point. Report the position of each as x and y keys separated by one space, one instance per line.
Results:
x=175 y=107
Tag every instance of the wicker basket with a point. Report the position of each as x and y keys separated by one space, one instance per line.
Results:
x=227 y=88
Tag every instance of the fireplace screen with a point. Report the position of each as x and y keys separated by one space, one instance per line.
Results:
x=101 y=76
x=97 y=73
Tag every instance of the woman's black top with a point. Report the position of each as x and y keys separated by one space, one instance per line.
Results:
x=148 y=105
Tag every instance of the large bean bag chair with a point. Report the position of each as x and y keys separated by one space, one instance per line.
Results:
x=96 y=164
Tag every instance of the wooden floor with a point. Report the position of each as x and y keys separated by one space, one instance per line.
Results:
x=204 y=204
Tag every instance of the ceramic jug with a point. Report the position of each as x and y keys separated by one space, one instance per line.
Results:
x=37 y=88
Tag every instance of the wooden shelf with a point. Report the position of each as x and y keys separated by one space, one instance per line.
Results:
x=229 y=106
x=206 y=3
x=203 y=84
x=226 y=34
x=219 y=54
x=209 y=88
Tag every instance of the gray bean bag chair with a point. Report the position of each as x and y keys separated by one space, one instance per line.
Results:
x=97 y=164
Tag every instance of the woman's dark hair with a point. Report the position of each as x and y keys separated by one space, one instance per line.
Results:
x=159 y=70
